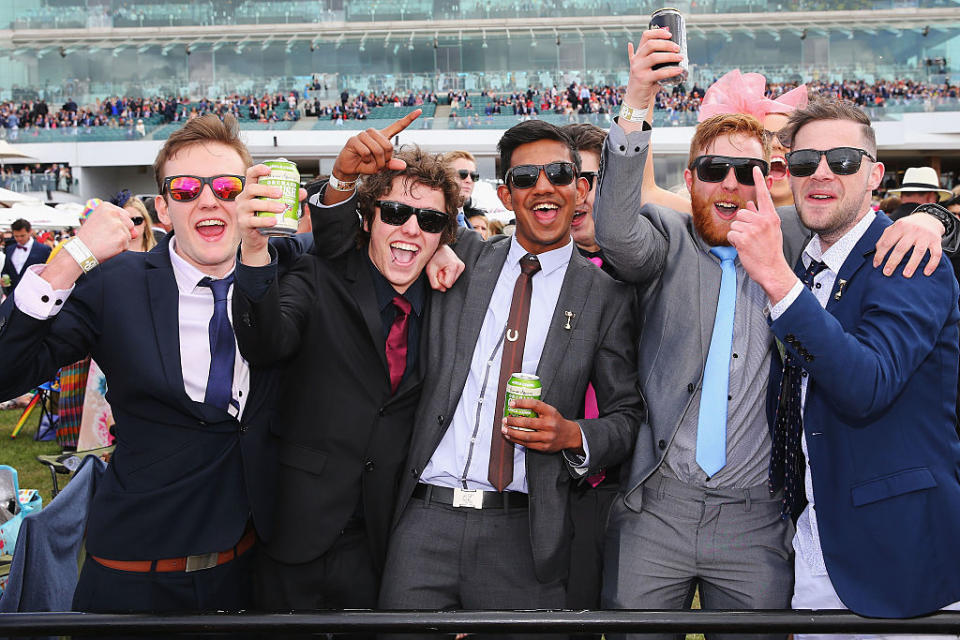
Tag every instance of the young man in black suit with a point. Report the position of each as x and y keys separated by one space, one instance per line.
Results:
x=24 y=252
x=351 y=335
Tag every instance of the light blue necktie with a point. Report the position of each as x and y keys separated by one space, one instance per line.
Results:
x=712 y=421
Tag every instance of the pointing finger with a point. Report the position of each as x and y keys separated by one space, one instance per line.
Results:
x=394 y=128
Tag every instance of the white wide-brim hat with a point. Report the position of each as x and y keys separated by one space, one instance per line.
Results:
x=921 y=179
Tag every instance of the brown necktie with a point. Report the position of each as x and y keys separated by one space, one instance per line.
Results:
x=500 y=472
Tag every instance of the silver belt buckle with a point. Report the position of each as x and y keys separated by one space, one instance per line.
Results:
x=202 y=561
x=472 y=498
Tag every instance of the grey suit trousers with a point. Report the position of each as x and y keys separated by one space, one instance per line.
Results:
x=730 y=543
x=444 y=557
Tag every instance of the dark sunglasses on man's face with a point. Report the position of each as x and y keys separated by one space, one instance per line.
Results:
x=591 y=176
x=843 y=161
x=525 y=176
x=716 y=168
x=397 y=213
x=186 y=188
x=137 y=220
x=463 y=173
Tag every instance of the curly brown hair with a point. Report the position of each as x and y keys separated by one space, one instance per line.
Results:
x=428 y=169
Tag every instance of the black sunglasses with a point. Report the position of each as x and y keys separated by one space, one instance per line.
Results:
x=137 y=220
x=463 y=173
x=843 y=161
x=590 y=176
x=525 y=176
x=716 y=168
x=186 y=188
x=397 y=213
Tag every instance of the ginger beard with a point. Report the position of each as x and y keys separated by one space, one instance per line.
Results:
x=709 y=224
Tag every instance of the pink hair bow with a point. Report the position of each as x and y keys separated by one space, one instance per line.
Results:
x=736 y=92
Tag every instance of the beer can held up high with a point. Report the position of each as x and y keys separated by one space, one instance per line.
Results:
x=672 y=20
x=283 y=174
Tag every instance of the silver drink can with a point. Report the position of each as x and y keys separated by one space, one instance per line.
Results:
x=672 y=20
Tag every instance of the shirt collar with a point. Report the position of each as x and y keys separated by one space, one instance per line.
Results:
x=837 y=254
x=188 y=276
x=415 y=293
x=550 y=261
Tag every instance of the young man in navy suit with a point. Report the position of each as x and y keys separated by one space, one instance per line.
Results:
x=171 y=524
x=21 y=254
x=867 y=395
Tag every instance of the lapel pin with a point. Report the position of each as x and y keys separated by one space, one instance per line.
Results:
x=570 y=316
x=841 y=284
x=512 y=335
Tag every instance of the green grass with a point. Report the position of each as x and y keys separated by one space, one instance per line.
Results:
x=21 y=453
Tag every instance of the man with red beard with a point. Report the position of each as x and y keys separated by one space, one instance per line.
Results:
x=696 y=511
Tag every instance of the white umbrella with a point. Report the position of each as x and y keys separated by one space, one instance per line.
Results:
x=39 y=215
x=8 y=197
x=10 y=152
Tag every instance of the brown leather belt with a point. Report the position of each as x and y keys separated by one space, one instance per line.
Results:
x=188 y=564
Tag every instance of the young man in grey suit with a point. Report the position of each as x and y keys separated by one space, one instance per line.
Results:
x=468 y=533
x=695 y=509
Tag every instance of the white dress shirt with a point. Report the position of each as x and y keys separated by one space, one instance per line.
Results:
x=20 y=256
x=35 y=297
x=463 y=456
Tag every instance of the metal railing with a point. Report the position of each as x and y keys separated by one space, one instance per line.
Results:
x=90 y=624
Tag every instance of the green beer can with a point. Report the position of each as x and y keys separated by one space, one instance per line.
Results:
x=283 y=174
x=521 y=385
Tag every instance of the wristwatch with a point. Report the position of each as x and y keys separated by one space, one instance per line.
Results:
x=947 y=219
x=81 y=253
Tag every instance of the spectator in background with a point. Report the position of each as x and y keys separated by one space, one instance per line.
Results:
x=21 y=254
x=464 y=165
x=141 y=238
x=494 y=227
x=921 y=185
x=952 y=205
x=480 y=224
x=889 y=204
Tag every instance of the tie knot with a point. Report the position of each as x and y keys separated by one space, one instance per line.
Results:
x=724 y=253
x=219 y=287
x=403 y=305
x=529 y=264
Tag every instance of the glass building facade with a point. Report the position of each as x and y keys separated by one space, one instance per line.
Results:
x=91 y=49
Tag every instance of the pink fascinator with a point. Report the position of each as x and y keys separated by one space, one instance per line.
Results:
x=736 y=92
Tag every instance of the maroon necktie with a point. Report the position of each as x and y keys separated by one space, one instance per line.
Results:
x=397 y=343
x=500 y=471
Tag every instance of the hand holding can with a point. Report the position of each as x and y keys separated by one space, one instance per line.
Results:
x=285 y=176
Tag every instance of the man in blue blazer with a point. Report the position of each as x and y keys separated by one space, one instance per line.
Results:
x=172 y=522
x=23 y=253
x=871 y=363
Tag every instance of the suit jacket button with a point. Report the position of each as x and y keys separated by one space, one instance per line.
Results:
x=415 y=472
x=202 y=423
x=243 y=428
x=690 y=388
x=790 y=337
x=245 y=319
x=380 y=411
x=369 y=466
x=439 y=419
x=662 y=444
x=808 y=358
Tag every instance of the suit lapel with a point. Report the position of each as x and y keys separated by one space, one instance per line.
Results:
x=573 y=296
x=357 y=273
x=861 y=253
x=483 y=281
x=708 y=282
x=164 y=297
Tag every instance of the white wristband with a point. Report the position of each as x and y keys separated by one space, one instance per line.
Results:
x=632 y=114
x=79 y=252
x=341 y=185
